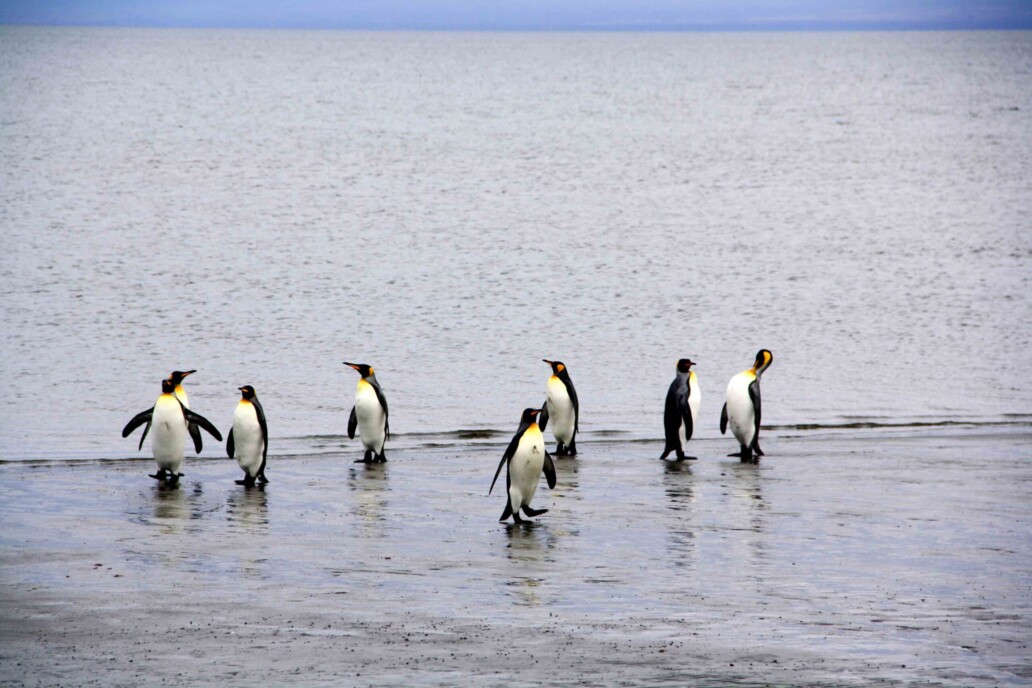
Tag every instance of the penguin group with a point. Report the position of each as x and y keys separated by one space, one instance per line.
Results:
x=525 y=458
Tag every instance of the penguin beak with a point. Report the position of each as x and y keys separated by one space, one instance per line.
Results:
x=189 y=372
x=241 y=389
x=351 y=365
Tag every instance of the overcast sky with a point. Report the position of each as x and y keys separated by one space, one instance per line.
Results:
x=529 y=14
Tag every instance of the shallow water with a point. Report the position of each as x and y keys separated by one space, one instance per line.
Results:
x=881 y=557
x=451 y=208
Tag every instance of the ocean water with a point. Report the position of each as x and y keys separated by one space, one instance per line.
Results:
x=452 y=208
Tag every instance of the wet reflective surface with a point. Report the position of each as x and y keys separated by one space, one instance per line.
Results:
x=874 y=557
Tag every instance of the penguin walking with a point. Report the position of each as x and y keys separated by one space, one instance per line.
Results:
x=169 y=418
x=248 y=440
x=526 y=457
x=742 y=408
x=562 y=408
x=681 y=410
x=177 y=377
x=369 y=415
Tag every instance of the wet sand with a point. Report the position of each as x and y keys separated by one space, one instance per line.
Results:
x=860 y=557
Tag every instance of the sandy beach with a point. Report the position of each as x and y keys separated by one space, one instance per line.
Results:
x=882 y=556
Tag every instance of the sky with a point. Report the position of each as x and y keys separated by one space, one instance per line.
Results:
x=546 y=15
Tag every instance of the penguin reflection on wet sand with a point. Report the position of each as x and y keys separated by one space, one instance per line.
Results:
x=562 y=408
x=248 y=440
x=169 y=418
x=742 y=408
x=369 y=415
x=524 y=459
x=681 y=410
x=177 y=377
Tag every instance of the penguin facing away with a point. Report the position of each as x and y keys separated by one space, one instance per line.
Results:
x=562 y=408
x=169 y=419
x=177 y=377
x=742 y=409
x=681 y=410
x=524 y=459
x=248 y=440
x=369 y=415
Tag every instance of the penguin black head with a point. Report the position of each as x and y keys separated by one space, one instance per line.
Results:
x=363 y=369
x=167 y=387
x=763 y=360
x=684 y=365
x=557 y=366
x=246 y=392
x=178 y=376
x=529 y=416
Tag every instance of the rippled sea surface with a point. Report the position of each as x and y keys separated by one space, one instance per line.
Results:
x=451 y=208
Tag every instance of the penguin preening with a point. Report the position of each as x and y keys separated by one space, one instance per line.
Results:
x=681 y=410
x=562 y=408
x=248 y=440
x=169 y=418
x=742 y=408
x=524 y=458
x=369 y=415
x=177 y=377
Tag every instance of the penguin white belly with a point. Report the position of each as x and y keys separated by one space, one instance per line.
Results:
x=525 y=468
x=741 y=415
x=248 y=444
x=168 y=433
x=371 y=418
x=560 y=410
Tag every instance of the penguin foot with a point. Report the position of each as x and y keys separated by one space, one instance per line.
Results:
x=534 y=512
x=160 y=475
x=262 y=479
x=363 y=460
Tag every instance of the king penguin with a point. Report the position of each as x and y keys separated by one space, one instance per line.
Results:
x=681 y=410
x=248 y=440
x=369 y=415
x=169 y=418
x=526 y=457
x=177 y=377
x=562 y=408
x=742 y=408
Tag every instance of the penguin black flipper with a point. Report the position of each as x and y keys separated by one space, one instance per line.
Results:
x=754 y=395
x=144 y=435
x=549 y=469
x=386 y=414
x=576 y=407
x=686 y=416
x=671 y=421
x=203 y=422
x=510 y=451
x=723 y=419
x=260 y=412
x=138 y=420
x=230 y=444
x=195 y=434
x=352 y=423
x=543 y=416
